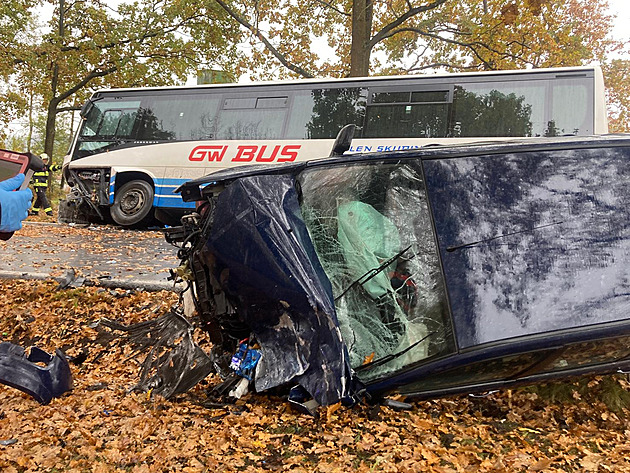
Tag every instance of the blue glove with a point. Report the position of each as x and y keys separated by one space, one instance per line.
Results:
x=14 y=205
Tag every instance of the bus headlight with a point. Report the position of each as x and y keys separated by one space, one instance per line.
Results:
x=93 y=176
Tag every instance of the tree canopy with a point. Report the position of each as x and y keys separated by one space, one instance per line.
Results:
x=617 y=74
x=367 y=36
x=88 y=44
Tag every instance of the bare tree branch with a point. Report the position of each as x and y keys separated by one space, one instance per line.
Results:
x=384 y=32
x=83 y=82
x=256 y=32
x=440 y=64
x=68 y=109
x=333 y=8
x=472 y=46
x=140 y=39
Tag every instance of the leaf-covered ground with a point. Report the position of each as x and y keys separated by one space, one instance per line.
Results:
x=100 y=427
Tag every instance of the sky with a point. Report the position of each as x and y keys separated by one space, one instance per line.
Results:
x=622 y=9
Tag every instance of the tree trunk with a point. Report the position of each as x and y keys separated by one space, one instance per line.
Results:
x=51 y=115
x=49 y=140
x=29 y=139
x=361 y=31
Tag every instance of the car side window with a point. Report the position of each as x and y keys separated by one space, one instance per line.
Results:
x=591 y=353
x=486 y=371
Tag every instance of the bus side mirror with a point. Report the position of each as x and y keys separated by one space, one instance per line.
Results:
x=343 y=141
x=87 y=108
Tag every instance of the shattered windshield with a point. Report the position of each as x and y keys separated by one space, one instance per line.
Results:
x=372 y=231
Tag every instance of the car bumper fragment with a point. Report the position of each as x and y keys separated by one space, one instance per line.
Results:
x=20 y=371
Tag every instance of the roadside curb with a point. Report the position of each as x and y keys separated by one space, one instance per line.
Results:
x=33 y=222
x=96 y=282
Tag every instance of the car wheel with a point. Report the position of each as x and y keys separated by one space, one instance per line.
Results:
x=133 y=203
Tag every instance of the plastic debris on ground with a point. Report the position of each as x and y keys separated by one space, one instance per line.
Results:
x=19 y=369
x=174 y=363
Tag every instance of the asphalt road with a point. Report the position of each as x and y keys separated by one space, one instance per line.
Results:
x=102 y=254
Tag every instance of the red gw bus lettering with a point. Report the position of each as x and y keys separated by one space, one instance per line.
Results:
x=211 y=153
x=262 y=159
x=245 y=154
x=289 y=153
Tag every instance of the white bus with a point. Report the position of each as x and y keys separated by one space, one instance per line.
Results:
x=135 y=146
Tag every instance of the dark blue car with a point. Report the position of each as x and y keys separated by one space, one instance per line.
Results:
x=425 y=272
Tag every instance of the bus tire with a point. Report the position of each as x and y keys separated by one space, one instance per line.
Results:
x=133 y=203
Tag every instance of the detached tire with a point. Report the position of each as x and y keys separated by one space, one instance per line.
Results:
x=132 y=204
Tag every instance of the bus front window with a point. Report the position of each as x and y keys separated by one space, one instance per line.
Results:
x=113 y=119
x=106 y=125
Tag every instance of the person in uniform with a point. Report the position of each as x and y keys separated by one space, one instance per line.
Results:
x=40 y=183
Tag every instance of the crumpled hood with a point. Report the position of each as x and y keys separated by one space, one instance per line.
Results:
x=268 y=267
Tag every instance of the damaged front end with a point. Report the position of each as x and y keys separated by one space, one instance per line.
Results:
x=321 y=267
x=256 y=274
x=87 y=197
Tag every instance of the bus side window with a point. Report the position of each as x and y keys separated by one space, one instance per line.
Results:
x=408 y=114
x=540 y=107
x=252 y=118
x=572 y=107
x=179 y=118
x=321 y=113
x=500 y=109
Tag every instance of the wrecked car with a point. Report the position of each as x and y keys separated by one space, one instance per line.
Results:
x=428 y=272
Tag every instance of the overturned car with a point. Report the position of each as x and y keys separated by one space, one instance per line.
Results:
x=426 y=272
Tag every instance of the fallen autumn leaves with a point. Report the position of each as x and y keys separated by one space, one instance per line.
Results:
x=99 y=427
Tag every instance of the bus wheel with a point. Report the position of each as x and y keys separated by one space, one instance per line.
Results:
x=132 y=203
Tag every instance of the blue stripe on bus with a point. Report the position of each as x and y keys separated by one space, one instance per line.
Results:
x=164 y=193
x=112 y=186
x=166 y=189
x=167 y=181
x=174 y=204
x=165 y=196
